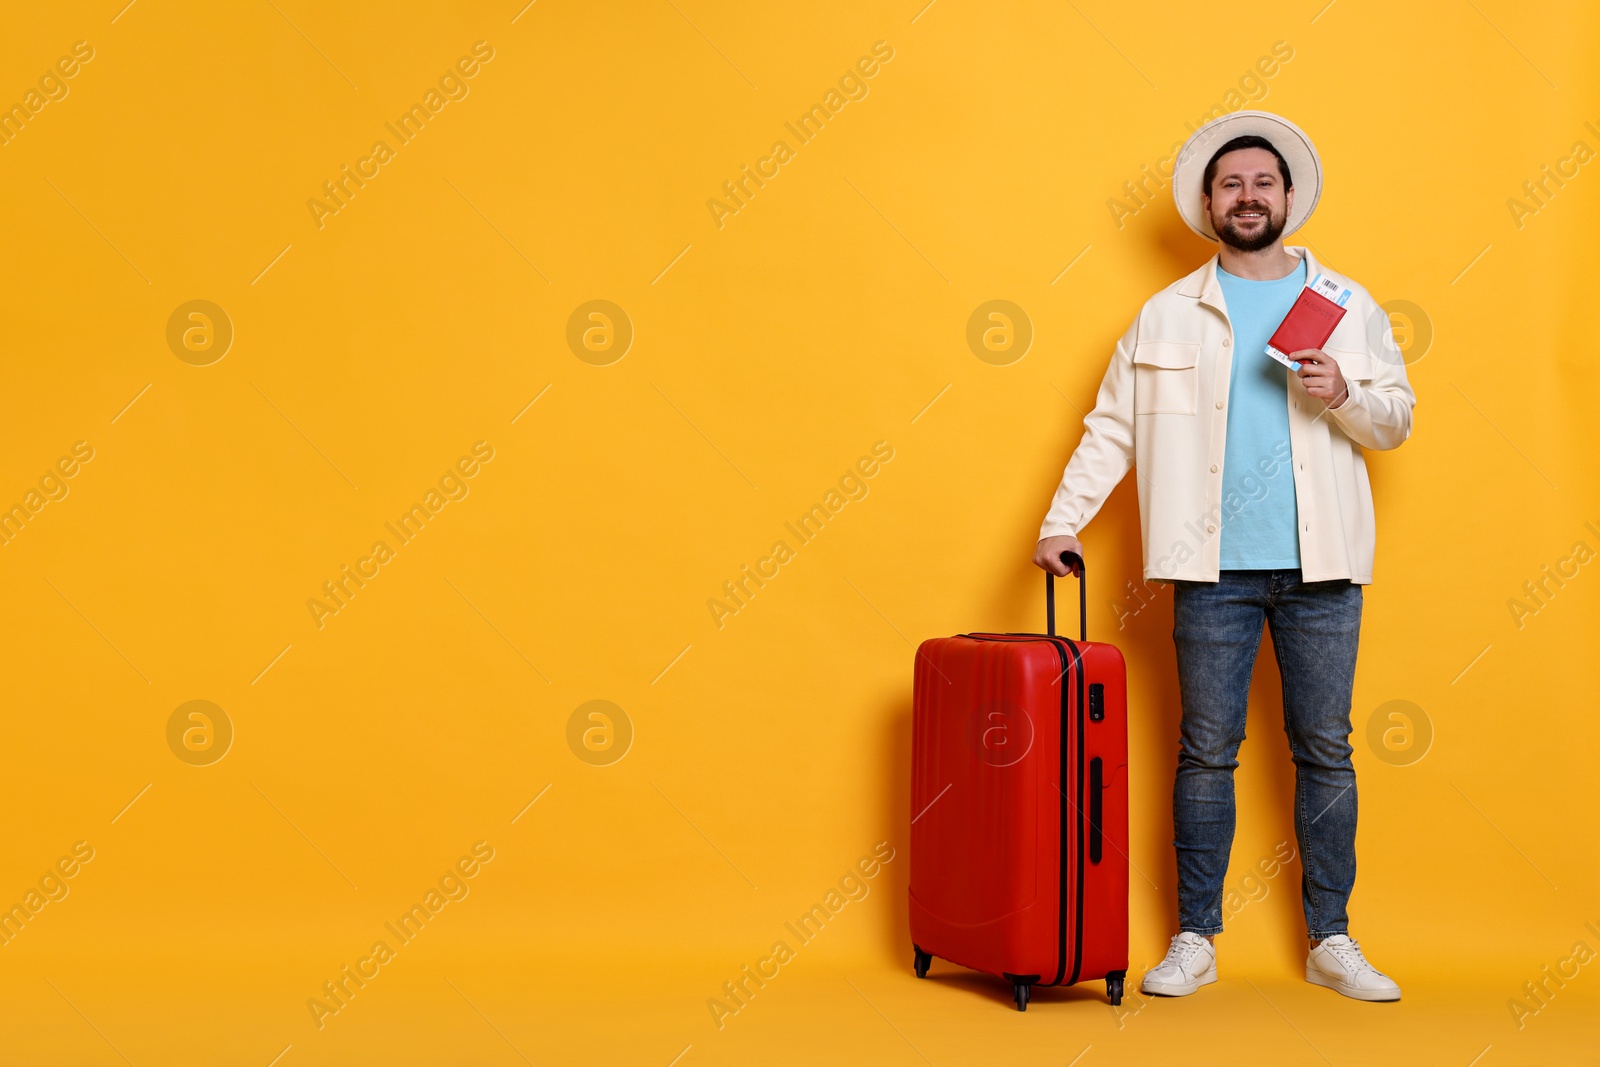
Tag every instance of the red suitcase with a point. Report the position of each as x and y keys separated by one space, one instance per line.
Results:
x=1019 y=805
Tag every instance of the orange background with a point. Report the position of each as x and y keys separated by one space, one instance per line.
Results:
x=768 y=355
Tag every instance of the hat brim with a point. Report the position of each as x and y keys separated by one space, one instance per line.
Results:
x=1305 y=166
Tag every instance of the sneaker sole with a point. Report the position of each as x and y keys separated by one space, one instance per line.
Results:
x=1168 y=989
x=1318 y=978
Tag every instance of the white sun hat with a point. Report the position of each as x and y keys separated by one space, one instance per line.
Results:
x=1305 y=167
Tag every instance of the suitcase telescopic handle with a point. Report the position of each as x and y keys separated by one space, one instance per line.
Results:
x=1074 y=563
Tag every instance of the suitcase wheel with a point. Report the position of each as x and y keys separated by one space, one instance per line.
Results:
x=1019 y=993
x=922 y=961
x=1114 y=986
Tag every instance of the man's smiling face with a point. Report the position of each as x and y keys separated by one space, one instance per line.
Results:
x=1248 y=204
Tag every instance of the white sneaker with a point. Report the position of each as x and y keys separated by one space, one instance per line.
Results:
x=1191 y=963
x=1338 y=964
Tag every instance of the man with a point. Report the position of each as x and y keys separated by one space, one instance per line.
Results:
x=1255 y=505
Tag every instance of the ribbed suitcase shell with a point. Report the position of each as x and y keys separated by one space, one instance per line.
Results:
x=1019 y=784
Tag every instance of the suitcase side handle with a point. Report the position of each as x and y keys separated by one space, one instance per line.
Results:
x=1074 y=563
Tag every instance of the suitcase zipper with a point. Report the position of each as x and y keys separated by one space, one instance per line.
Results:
x=1077 y=937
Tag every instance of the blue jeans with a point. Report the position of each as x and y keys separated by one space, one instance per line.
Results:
x=1217 y=631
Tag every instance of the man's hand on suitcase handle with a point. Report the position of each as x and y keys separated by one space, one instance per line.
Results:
x=1048 y=555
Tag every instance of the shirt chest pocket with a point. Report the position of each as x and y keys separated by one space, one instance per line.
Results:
x=1166 y=377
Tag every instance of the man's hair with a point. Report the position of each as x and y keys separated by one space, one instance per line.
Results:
x=1247 y=141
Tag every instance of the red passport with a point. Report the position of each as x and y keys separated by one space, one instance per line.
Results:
x=1309 y=324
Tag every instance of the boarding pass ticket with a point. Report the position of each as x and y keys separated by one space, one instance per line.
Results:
x=1323 y=285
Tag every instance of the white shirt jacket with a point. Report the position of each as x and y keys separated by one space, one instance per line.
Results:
x=1162 y=409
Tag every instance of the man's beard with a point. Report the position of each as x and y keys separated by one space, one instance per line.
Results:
x=1271 y=229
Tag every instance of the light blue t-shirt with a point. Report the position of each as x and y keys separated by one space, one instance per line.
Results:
x=1260 y=520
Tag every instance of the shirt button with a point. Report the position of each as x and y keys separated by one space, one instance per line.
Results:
x=1227 y=342
x=1214 y=468
x=1219 y=405
x=1211 y=529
